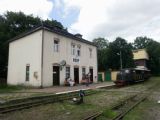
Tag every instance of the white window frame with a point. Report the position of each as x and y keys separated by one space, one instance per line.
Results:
x=56 y=45
x=79 y=49
x=73 y=49
x=83 y=72
x=27 y=78
x=90 y=52
x=68 y=71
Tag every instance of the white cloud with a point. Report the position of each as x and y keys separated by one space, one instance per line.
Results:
x=41 y=8
x=112 y=18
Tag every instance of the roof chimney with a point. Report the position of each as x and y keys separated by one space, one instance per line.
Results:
x=78 y=35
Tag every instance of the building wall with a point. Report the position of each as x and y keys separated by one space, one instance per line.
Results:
x=26 y=50
x=50 y=58
x=140 y=54
x=141 y=62
x=114 y=75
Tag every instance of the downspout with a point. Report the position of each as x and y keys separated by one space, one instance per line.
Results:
x=42 y=57
x=97 y=61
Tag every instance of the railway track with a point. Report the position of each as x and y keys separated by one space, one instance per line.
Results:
x=125 y=106
x=122 y=108
x=132 y=103
x=40 y=100
x=93 y=117
x=122 y=111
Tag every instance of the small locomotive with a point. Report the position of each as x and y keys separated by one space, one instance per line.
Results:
x=132 y=75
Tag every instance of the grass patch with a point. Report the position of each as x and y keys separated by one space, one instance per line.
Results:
x=138 y=112
x=144 y=111
x=109 y=113
x=9 y=88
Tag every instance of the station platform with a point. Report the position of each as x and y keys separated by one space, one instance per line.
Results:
x=31 y=92
x=61 y=89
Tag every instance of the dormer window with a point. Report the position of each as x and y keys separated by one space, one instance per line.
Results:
x=56 y=45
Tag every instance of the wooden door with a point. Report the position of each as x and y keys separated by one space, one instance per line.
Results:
x=56 y=77
x=91 y=75
x=76 y=75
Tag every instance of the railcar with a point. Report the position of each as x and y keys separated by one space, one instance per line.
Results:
x=131 y=75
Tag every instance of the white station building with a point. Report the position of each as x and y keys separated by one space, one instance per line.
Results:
x=35 y=58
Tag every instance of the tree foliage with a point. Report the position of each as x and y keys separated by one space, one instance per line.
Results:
x=101 y=43
x=102 y=46
x=141 y=42
x=108 y=57
x=153 y=50
x=117 y=46
x=102 y=59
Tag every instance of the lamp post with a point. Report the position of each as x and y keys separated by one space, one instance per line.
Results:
x=120 y=54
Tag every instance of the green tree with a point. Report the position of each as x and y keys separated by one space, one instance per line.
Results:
x=101 y=43
x=141 y=42
x=102 y=46
x=153 y=50
x=102 y=59
x=53 y=23
x=115 y=47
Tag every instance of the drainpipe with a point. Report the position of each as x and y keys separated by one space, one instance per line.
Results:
x=42 y=56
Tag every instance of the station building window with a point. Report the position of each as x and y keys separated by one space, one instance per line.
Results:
x=27 y=72
x=67 y=72
x=78 y=50
x=73 y=49
x=83 y=72
x=90 y=52
x=56 y=45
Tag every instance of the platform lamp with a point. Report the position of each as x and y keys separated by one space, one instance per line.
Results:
x=120 y=54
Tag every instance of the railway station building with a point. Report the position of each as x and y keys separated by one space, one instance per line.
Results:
x=46 y=56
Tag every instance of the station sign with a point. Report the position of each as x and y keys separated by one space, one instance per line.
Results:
x=77 y=60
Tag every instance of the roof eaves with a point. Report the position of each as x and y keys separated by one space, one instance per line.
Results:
x=70 y=36
x=60 y=32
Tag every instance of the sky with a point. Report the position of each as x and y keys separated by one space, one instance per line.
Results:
x=96 y=18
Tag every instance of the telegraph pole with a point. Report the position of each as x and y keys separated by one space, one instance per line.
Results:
x=120 y=54
x=121 y=59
